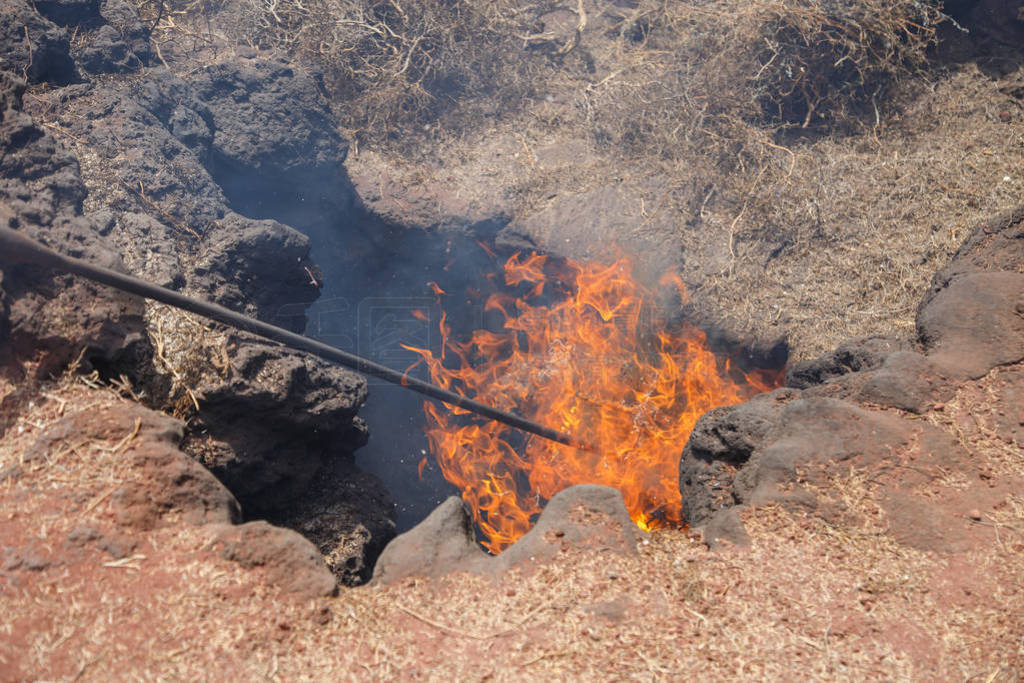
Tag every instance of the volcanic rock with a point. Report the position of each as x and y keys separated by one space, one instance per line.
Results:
x=123 y=16
x=281 y=411
x=582 y=517
x=78 y=13
x=289 y=560
x=788 y=438
x=170 y=483
x=145 y=145
x=865 y=353
x=41 y=192
x=32 y=46
x=996 y=244
x=975 y=323
x=260 y=267
x=776 y=446
x=908 y=381
x=105 y=51
x=276 y=150
x=273 y=413
x=101 y=47
x=444 y=542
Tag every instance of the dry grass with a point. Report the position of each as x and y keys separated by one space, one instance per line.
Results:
x=814 y=157
x=809 y=599
x=190 y=351
x=862 y=223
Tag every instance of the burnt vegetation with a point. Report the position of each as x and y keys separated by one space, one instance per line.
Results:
x=654 y=76
x=776 y=131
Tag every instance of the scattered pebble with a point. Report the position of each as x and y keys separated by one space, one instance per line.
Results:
x=974 y=514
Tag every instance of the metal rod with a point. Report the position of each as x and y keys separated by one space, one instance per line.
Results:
x=15 y=247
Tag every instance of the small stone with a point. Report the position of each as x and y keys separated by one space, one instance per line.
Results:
x=974 y=514
x=1004 y=116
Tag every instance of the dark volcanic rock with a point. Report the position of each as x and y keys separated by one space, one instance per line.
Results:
x=256 y=267
x=733 y=433
x=101 y=47
x=865 y=353
x=579 y=518
x=281 y=412
x=104 y=51
x=135 y=162
x=76 y=13
x=177 y=106
x=41 y=193
x=122 y=15
x=347 y=515
x=269 y=419
x=277 y=152
x=33 y=47
x=289 y=560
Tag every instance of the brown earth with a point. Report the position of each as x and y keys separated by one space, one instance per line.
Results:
x=92 y=594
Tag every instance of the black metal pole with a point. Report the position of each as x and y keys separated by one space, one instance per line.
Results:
x=16 y=247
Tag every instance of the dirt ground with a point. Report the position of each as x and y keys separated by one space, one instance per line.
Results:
x=88 y=598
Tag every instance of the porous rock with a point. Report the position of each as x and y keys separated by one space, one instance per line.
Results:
x=100 y=47
x=41 y=193
x=908 y=381
x=275 y=146
x=257 y=267
x=855 y=355
x=104 y=51
x=289 y=560
x=275 y=414
x=750 y=455
x=32 y=46
x=70 y=12
x=167 y=481
x=975 y=323
x=123 y=16
x=281 y=411
x=580 y=517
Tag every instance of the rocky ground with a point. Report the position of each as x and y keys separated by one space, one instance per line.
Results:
x=867 y=521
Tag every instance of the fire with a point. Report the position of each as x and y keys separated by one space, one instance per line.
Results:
x=578 y=353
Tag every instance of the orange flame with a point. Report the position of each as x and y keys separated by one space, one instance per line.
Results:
x=591 y=365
